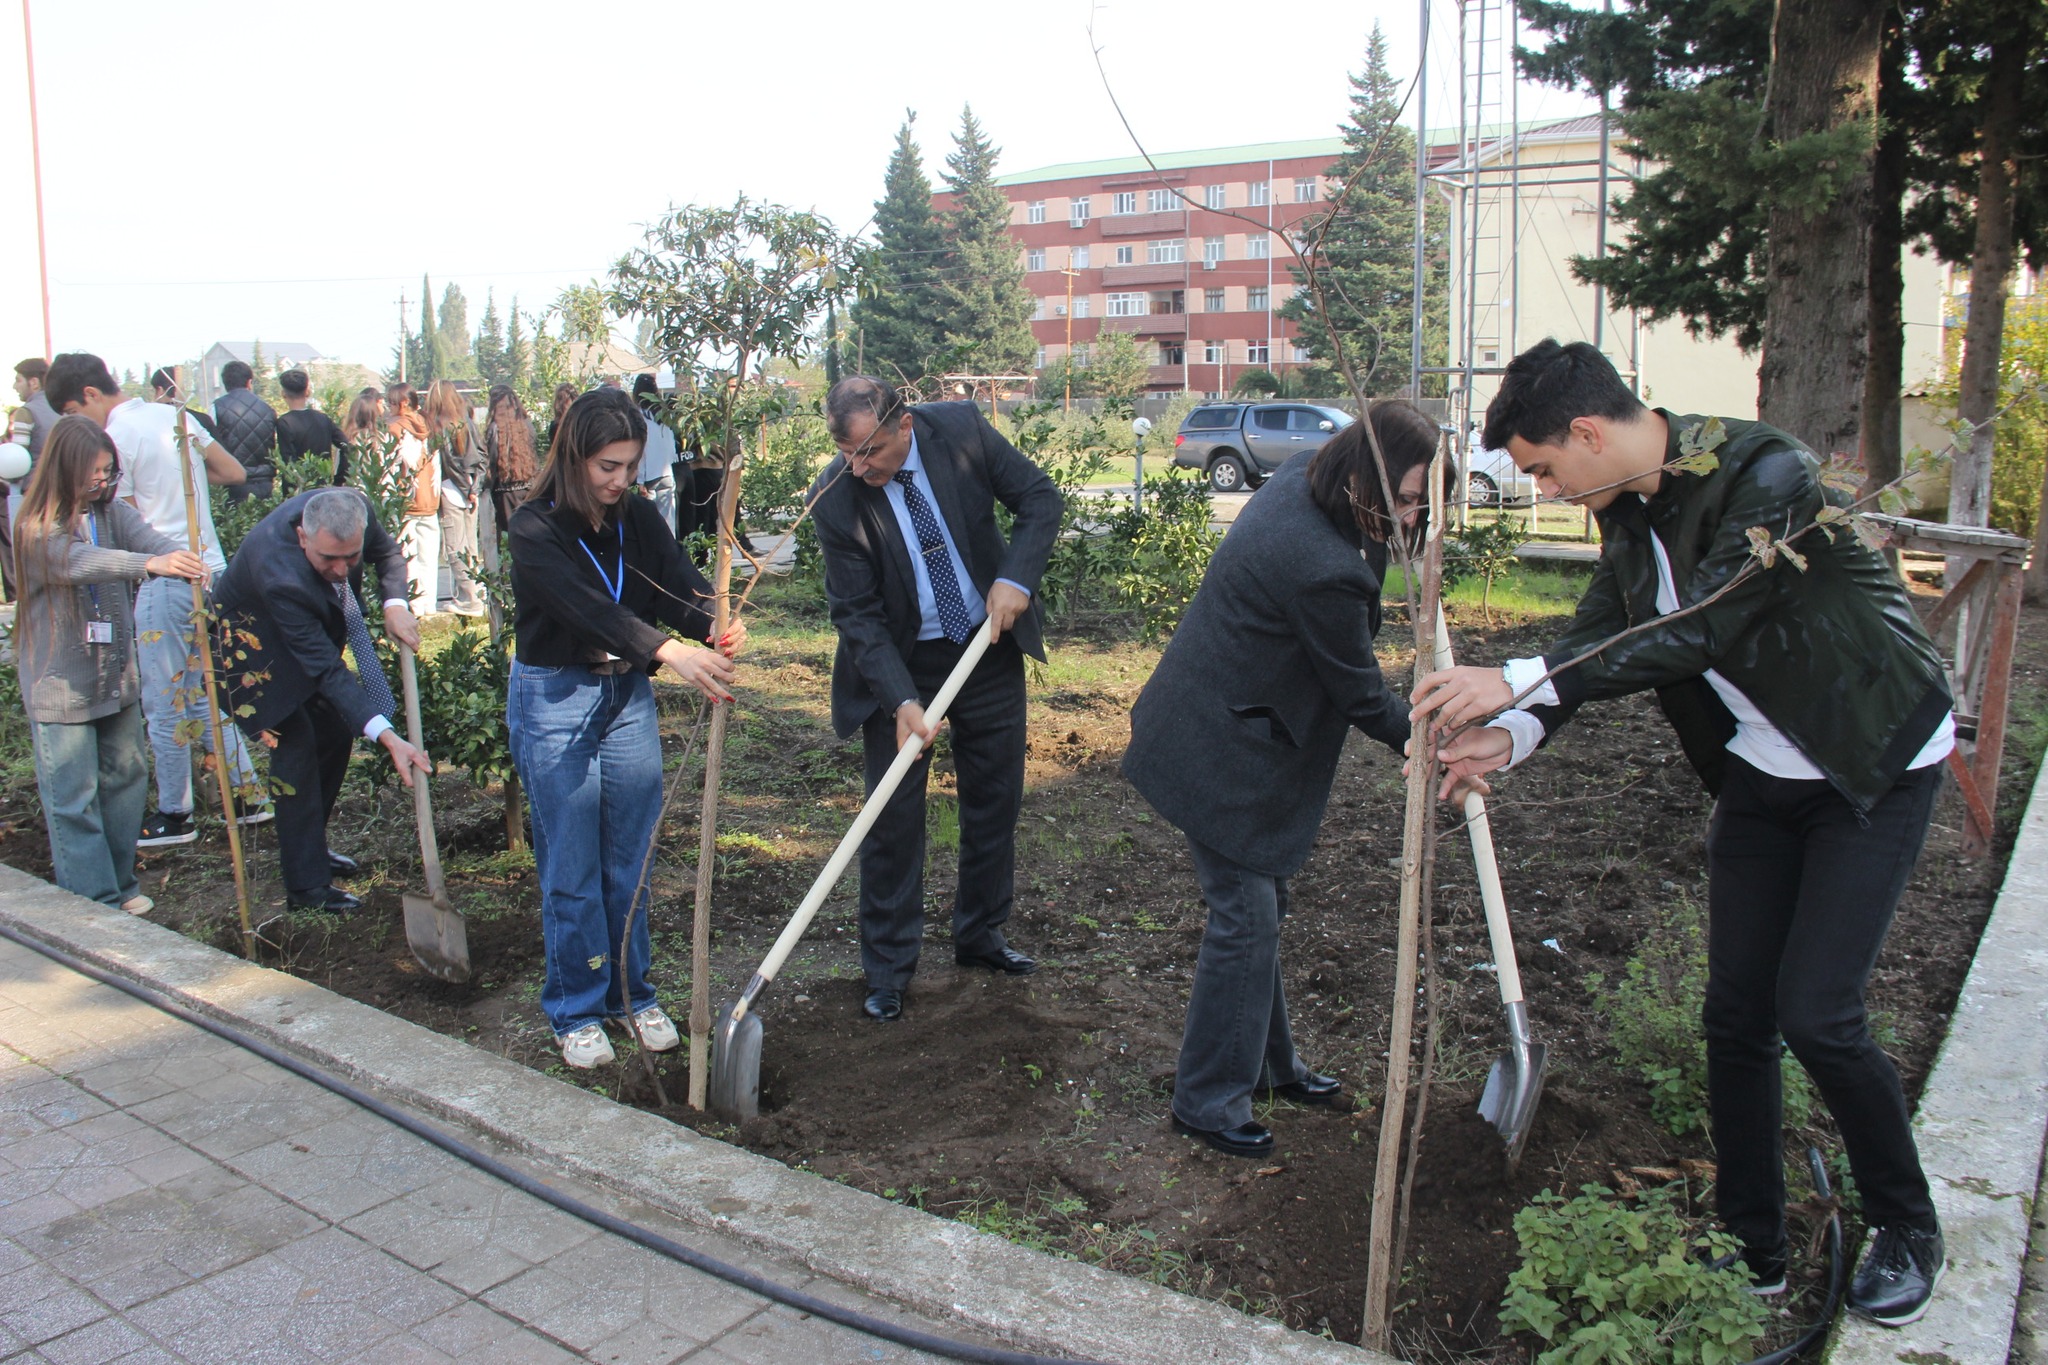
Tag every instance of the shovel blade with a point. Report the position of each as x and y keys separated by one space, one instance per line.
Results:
x=438 y=937
x=735 y=1090
x=1511 y=1096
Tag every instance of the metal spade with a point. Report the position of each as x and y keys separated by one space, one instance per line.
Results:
x=735 y=1091
x=434 y=928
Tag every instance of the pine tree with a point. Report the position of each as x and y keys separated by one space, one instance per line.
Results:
x=426 y=360
x=489 y=349
x=264 y=383
x=901 y=315
x=987 y=308
x=1364 y=257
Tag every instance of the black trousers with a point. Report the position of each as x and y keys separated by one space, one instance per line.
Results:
x=306 y=767
x=1236 y=1034
x=1800 y=898
x=987 y=724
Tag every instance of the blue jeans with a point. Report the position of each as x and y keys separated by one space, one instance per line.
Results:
x=174 y=698
x=93 y=786
x=589 y=752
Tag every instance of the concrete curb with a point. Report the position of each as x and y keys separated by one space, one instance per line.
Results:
x=1981 y=1126
x=933 y=1266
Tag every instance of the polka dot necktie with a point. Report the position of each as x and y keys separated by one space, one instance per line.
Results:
x=938 y=565
x=369 y=672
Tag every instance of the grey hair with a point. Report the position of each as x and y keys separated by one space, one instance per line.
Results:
x=340 y=512
x=857 y=394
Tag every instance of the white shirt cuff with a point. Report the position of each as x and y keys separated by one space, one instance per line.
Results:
x=391 y=602
x=1523 y=673
x=378 y=725
x=1523 y=729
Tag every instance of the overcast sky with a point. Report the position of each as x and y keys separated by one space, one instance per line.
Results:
x=215 y=171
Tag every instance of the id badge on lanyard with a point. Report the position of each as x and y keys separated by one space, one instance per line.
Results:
x=616 y=588
x=97 y=630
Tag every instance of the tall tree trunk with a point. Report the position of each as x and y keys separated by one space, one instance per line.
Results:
x=1991 y=256
x=1883 y=441
x=1816 y=313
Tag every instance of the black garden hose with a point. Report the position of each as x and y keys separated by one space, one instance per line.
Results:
x=1837 y=1273
x=618 y=1227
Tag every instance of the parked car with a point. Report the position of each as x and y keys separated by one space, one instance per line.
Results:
x=1238 y=444
x=1492 y=479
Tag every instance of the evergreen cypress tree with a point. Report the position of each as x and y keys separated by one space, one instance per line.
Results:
x=516 y=355
x=454 y=332
x=426 y=360
x=1366 y=256
x=489 y=348
x=988 y=309
x=260 y=366
x=901 y=316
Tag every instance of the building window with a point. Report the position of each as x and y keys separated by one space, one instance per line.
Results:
x=1255 y=299
x=1212 y=352
x=1257 y=353
x=1034 y=258
x=1161 y=201
x=1168 y=251
x=1304 y=189
x=1077 y=258
x=1127 y=306
x=1212 y=300
x=1258 y=192
x=1212 y=249
x=1077 y=211
x=1124 y=201
x=1039 y=363
x=1038 y=313
x=1081 y=305
x=1081 y=357
x=1034 y=212
x=1257 y=246
x=1125 y=255
x=1216 y=197
x=1172 y=353
x=1299 y=353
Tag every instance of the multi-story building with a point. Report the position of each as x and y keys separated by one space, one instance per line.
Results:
x=1191 y=256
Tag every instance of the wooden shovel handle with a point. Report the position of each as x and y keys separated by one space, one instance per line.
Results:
x=1481 y=834
x=422 y=799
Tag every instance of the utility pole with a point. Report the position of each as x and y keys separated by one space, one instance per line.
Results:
x=1070 y=272
x=401 y=336
x=35 y=145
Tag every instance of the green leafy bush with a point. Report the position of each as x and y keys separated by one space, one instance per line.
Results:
x=1653 y=1020
x=1601 y=1281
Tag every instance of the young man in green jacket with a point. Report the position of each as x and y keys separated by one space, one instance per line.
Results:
x=1812 y=705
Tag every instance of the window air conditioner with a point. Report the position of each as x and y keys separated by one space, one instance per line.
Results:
x=1208 y=265
x=1059 y=310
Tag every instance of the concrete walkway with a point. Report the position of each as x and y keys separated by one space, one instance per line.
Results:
x=166 y=1195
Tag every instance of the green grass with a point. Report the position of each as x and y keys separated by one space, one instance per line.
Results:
x=1526 y=591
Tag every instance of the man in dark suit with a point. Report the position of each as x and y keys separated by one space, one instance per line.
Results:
x=914 y=564
x=295 y=585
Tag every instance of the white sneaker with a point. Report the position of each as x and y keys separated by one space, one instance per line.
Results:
x=657 y=1030
x=142 y=905
x=261 y=815
x=587 y=1047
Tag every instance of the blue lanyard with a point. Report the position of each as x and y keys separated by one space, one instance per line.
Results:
x=617 y=589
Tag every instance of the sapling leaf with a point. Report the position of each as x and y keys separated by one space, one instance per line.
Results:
x=1843 y=473
x=1762 y=548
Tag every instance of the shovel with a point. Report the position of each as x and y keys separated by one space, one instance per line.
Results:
x=434 y=929
x=736 y=1046
x=1514 y=1086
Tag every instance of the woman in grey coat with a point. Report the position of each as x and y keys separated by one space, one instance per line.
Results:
x=80 y=552
x=1235 y=740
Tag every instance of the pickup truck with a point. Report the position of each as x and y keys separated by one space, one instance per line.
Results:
x=1238 y=444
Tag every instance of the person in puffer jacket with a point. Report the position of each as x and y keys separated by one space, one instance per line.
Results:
x=248 y=430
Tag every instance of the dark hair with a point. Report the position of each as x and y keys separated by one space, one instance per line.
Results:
x=1548 y=387
x=35 y=367
x=599 y=418
x=294 y=382
x=1344 y=478
x=565 y=394
x=858 y=393
x=236 y=375
x=164 y=380
x=398 y=394
x=643 y=385
x=72 y=373
x=515 y=457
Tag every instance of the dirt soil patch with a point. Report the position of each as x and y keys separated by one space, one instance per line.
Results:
x=1037 y=1108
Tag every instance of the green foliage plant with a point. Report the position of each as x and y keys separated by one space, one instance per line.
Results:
x=1604 y=1282
x=1486 y=550
x=900 y=295
x=1653 y=1019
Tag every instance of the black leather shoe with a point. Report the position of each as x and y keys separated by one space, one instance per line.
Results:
x=1007 y=960
x=332 y=899
x=341 y=865
x=1310 y=1089
x=1898 y=1276
x=883 y=1004
x=1247 y=1139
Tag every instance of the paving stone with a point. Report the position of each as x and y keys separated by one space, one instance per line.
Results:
x=37 y=1304
x=109 y=1339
